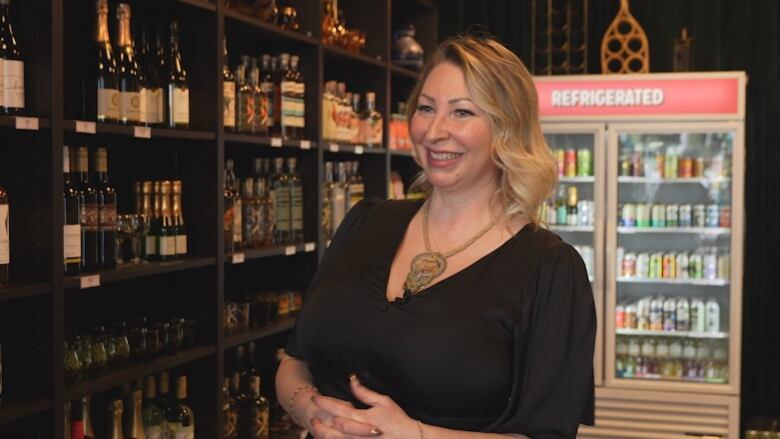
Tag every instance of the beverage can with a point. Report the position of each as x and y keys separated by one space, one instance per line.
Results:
x=672 y=213
x=583 y=162
x=658 y=216
x=712 y=321
x=643 y=314
x=657 y=314
x=628 y=215
x=698 y=167
x=683 y=314
x=695 y=266
x=699 y=215
x=724 y=219
x=630 y=317
x=669 y=266
x=643 y=215
x=629 y=265
x=560 y=159
x=570 y=163
x=682 y=265
x=685 y=167
x=584 y=213
x=710 y=264
x=656 y=266
x=712 y=216
x=724 y=266
x=620 y=317
x=670 y=315
x=698 y=315
x=685 y=216
x=643 y=265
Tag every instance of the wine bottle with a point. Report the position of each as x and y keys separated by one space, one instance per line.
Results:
x=71 y=233
x=127 y=69
x=106 y=199
x=178 y=220
x=229 y=92
x=5 y=239
x=178 y=88
x=86 y=403
x=164 y=400
x=280 y=193
x=296 y=201
x=12 y=65
x=101 y=94
x=253 y=410
x=115 y=411
x=155 y=225
x=166 y=242
x=229 y=412
x=150 y=414
x=134 y=428
x=89 y=215
x=181 y=421
x=151 y=86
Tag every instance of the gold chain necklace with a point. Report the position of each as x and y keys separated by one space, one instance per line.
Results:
x=427 y=266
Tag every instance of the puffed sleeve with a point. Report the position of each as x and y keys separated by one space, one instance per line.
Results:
x=352 y=221
x=552 y=387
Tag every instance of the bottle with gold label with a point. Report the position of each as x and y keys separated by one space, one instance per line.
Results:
x=178 y=220
x=127 y=69
x=166 y=240
x=181 y=421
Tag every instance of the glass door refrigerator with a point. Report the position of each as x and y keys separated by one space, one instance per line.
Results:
x=668 y=254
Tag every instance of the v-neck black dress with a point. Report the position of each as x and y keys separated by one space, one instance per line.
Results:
x=503 y=346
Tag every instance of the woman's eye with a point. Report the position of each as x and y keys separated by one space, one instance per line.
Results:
x=463 y=113
x=424 y=108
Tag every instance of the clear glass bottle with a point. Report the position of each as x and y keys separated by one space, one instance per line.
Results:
x=371 y=123
x=280 y=194
x=260 y=101
x=181 y=420
x=267 y=216
x=251 y=214
x=245 y=102
x=151 y=415
x=233 y=184
x=227 y=216
x=296 y=201
x=356 y=188
x=289 y=96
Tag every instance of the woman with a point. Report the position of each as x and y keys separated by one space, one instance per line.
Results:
x=456 y=317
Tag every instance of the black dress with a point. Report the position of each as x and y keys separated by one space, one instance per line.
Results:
x=503 y=346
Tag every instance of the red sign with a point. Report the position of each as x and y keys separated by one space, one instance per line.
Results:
x=638 y=96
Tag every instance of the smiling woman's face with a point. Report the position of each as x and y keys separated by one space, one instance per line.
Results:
x=452 y=136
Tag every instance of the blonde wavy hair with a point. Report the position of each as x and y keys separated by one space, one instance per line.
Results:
x=501 y=86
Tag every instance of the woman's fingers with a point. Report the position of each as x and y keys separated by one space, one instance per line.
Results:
x=322 y=431
x=352 y=427
x=336 y=407
x=342 y=416
x=364 y=394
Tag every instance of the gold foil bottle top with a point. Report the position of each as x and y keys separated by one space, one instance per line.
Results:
x=123 y=11
x=151 y=387
x=101 y=6
x=101 y=160
x=572 y=196
x=181 y=388
x=83 y=159
x=176 y=186
x=165 y=187
x=116 y=408
x=146 y=187
x=156 y=187
x=101 y=26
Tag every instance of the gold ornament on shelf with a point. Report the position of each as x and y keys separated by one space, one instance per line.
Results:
x=624 y=48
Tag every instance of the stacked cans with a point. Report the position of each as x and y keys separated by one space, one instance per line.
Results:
x=574 y=162
x=670 y=164
x=704 y=263
x=669 y=314
x=672 y=358
x=674 y=215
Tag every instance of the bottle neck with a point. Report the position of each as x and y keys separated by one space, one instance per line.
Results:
x=177 y=205
x=124 y=38
x=101 y=28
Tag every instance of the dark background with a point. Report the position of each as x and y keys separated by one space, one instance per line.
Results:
x=729 y=35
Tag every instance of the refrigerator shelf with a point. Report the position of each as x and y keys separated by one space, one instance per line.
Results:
x=576 y=179
x=588 y=229
x=651 y=180
x=681 y=334
x=678 y=230
x=701 y=282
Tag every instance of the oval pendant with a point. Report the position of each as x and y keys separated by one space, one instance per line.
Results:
x=425 y=267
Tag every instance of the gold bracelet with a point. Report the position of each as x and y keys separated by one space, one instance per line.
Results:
x=297 y=391
x=420 y=428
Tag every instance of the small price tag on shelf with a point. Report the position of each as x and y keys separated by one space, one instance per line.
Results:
x=27 y=123
x=305 y=144
x=90 y=281
x=142 y=132
x=334 y=147
x=238 y=258
x=85 y=127
x=289 y=250
x=359 y=149
x=276 y=142
x=309 y=247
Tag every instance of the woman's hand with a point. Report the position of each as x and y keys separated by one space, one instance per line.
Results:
x=342 y=420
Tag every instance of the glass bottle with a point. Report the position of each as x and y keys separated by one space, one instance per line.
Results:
x=260 y=101
x=560 y=206
x=299 y=121
x=134 y=427
x=372 y=122
x=151 y=87
x=5 y=239
x=148 y=210
x=106 y=203
x=127 y=69
x=280 y=194
x=232 y=182
x=338 y=197
x=253 y=410
x=72 y=201
x=229 y=412
x=89 y=215
x=245 y=102
x=76 y=420
x=166 y=242
x=355 y=183
x=12 y=65
x=327 y=214
x=164 y=400
x=571 y=206
x=228 y=92
x=150 y=414
x=181 y=421
x=251 y=214
x=278 y=72
x=86 y=413
x=296 y=201
x=289 y=98
x=178 y=219
x=115 y=411
x=267 y=217
x=101 y=93
x=267 y=85
x=178 y=87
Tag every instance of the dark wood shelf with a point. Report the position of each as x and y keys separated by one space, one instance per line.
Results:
x=18 y=292
x=400 y=153
x=348 y=148
x=242 y=255
x=134 y=271
x=271 y=142
x=130 y=131
x=234 y=340
x=270 y=29
x=404 y=72
x=202 y=4
x=11 y=411
x=134 y=371
x=340 y=54
x=10 y=122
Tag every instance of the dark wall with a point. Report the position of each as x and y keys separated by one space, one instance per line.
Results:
x=729 y=35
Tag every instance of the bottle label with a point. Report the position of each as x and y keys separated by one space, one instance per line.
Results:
x=150 y=245
x=261 y=112
x=154 y=105
x=72 y=243
x=143 y=114
x=76 y=429
x=177 y=431
x=296 y=210
x=289 y=104
x=13 y=83
x=181 y=244
x=108 y=104
x=247 y=112
x=129 y=106
x=167 y=245
x=229 y=102
x=268 y=88
x=237 y=234
x=5 y=247
x=281 y=197
x=356 y=192
x=107 y=217
x=153 y=432
x=89 y=217
x=181 y=105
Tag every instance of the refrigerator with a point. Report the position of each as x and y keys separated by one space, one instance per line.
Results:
x=651 y=192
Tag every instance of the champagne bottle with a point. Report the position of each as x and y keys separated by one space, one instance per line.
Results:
x=178 y=220
x=72 y=201
x=150 y=240
x=106 y=200
x=178 y=88
x=151 y=87
x=89 y=431
x=115 y=411
x=229 y=92
x=11 y=64
x=166 y=241
x=89 y=215
x=134 y=429
x=101 y=95
x=181 y=421
x=150 y=414
x=296 y=201
x=127 y=69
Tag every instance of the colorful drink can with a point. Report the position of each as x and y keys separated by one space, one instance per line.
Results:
x=698 y=167
x=628 y=215
x=643 y=265
x=660 y=160
x=658 y=216
x=724 y=266
x=629 y=265
x=695 y=266
x=620 y=317
x=630 y=317
x=670 y=166
x=570 y=163
x=686 y=215
x=656 y=266
x=672 y=213
x=643 y=215
x=685 y=167
x=699 y=215
x=669 y=266
x=682 y=265
x=560 y=159
x=712 y=216
x=584 y=162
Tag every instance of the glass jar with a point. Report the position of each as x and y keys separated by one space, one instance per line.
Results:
x=152 y=342
x=137 y=338
x=72 y=362
x=84 y=348
x=99 y=356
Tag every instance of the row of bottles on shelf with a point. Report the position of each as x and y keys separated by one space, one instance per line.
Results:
x=398 y=137
x=140 y=411
x=11 y=66
x=574 y=162
x=660 y=215
x=671 y=163
x=148 y=87
x=566 y=209
x=156 y=230
x=265 y=96
x=661 y=358
x=265 y=208
x=256 y=310
x=708 y=263
x=90 y=353
x=344 y=120
x=342 y=189
x=669 y=314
